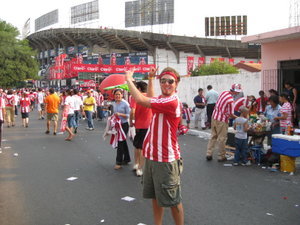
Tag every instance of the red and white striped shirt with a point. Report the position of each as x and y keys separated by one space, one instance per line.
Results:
x=241 y=102
x=99 y=99
x=2 y=106
x=10 y=101
x=161 y=143
x=25 y=105
x=188 y=113
x=286 y=108
x=224 y=107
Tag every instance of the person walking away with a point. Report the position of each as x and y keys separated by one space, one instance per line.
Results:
x=78 y=108
x=99 y=102
x=211 y=100
x=25 y=109
x=200 y=112
x=121 y=109
x=285 y=118
x=32 y=100
x=17 y=101
x=10 y=108
x=89 y=103
x=241 y=138
x=40 y=103
x=163 y=164
x=292 y=93
x=187 y=114
x=69 y=107
x=52 y=102
x=219 y=124
x=140 y=118
x=2 y=116
x=261 y=102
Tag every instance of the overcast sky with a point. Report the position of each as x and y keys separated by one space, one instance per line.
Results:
x=263 y=15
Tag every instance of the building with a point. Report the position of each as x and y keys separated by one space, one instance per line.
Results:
x=280 y=57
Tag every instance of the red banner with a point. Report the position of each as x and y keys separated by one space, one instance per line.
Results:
x=190 y=64
x=87 y=83
x=201 y=61
x=93 y=68
x=231 y=62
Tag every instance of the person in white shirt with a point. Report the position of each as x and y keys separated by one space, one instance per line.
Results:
x=78 y=108
x=40 y=103
x=69 y=106
x=211 y=100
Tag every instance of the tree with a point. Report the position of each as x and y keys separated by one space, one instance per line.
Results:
x=216 y=67
x=17 y=59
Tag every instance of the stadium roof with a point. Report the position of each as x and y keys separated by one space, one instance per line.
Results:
x=133 y=41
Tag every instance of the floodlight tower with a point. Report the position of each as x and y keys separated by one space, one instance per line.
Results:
x=294 y=17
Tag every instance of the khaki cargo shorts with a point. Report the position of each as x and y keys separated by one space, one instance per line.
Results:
x=161 y=181
x=52 y=116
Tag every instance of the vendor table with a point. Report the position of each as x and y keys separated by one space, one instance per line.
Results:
x=286 y=145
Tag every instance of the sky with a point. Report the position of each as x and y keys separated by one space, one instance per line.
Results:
x=263 y=15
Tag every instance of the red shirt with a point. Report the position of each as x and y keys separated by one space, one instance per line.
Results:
x=224 y=107
x=99 y=99
x=161 y=143
x=25 y=105
x=188 y=113
x=142 y=115
x=241 y=102
x=9 y=100
x=261 y=107
x=2 y=106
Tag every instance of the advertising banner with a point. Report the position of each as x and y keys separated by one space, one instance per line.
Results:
x=87 y=83
x=110 y=69
x=201 y=61
x=231 y=62
x=190 y=64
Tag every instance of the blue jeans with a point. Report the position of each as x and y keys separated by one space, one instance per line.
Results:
x=241 y=149
x=76 y=117
x=71 y=121
x=99 y=112
x=89 y=118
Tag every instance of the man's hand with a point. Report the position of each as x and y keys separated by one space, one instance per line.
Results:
x=129 y=75
x=152 y=73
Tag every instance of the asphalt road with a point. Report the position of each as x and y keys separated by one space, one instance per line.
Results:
x=34 y=189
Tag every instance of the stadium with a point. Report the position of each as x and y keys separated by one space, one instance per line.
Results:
x=143 y=38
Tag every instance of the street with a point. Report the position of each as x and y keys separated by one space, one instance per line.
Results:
x=34 y=189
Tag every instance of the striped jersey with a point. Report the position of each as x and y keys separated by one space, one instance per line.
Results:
x=2 y=106
x=99 y=99
x=160 y=143
x=241 y=102
x=224 y=107
x=187 y=112
x=286 y=108
x=9 y=100
x=25 y=105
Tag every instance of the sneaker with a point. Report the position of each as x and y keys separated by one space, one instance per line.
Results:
x=91 y=128
x=209 y=158
x=235 y=164
x=135 y=166
x=139 y=172
x=47 y=132
x=87 y=128
x=54 y=133
x=117 y=167
x=246 y=164
x=75 y=130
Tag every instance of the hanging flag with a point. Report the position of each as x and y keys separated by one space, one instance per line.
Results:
x=190 y=64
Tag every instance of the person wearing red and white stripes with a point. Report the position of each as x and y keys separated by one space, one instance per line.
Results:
x=10 y=108
x=224 y=110
x=163 y=164
x=25 y=109
x=2 y=115
x=100 y=103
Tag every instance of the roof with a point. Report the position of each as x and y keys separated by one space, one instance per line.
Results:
x=140 y=41
x=250 y=67
x=277 y=35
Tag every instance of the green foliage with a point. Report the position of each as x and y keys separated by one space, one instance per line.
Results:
x=17 y=61
x=215 y=68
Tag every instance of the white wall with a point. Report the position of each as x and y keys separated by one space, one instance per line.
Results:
x=188 y=86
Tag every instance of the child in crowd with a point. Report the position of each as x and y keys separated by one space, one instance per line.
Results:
x=241 y=138
x=186 y=114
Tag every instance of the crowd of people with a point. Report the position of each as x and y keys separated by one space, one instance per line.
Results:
x=156 y=121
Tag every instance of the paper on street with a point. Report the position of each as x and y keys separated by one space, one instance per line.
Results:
x=227 y=165
x=16 y=154
x=270 y=214
x=128 y=199
x=7 y=147
x=72 y=178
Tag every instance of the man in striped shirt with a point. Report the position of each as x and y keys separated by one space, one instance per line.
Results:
x=163 y=165
x=224 y=110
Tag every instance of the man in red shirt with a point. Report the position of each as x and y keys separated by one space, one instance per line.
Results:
x=163 y=164
x=224 y=110
x=140 y=117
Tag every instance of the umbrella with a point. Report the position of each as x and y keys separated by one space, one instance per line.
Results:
x=111 y=81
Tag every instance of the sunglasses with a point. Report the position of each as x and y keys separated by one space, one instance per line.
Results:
x=164 y=80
